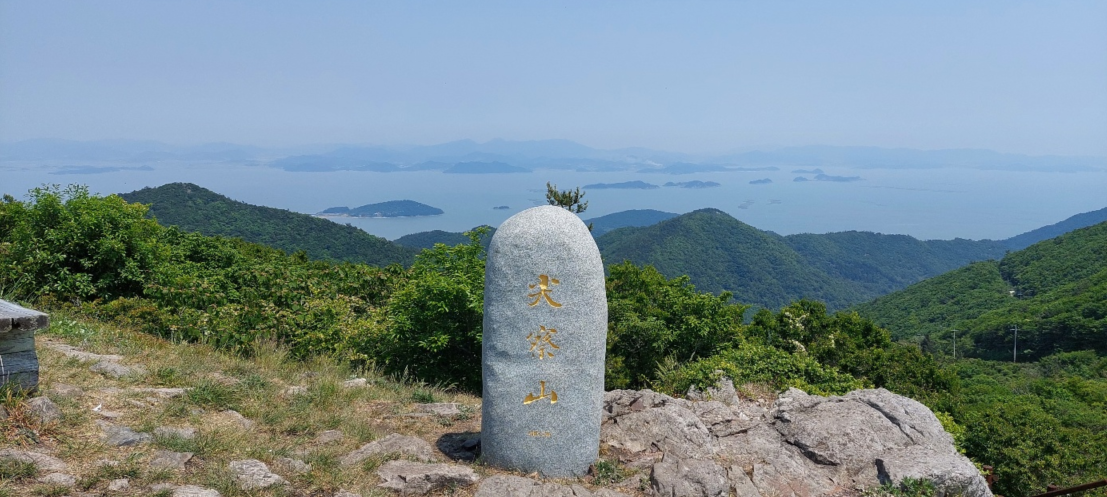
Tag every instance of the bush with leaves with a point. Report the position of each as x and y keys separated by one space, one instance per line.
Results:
x=76 y=246
x=434 y=322
x=652 y=319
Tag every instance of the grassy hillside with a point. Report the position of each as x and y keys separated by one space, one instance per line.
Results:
x=720 y=253
x=196 y=209
x=1054 y=291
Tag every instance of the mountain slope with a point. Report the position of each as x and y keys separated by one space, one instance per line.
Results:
x=878 y=264
x=1078 y=221
x=1054 y=291
x=720 y=253
x=193 y=208
x=635 y=217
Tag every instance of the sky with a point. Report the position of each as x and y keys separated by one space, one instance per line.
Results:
x=697 y=76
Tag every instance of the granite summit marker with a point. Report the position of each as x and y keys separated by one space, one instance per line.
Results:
x=545 y=336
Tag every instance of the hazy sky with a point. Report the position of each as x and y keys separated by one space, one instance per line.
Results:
x=1027 y=77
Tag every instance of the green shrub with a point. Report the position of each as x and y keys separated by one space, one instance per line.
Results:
x=652 y=319
x=435 y=319
x=756 y=363
x=77 y=246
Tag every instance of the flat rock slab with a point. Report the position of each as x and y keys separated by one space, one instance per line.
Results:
x=689 y=478
x=239 y=419
x=119 y=485
x=416 y=478
x=329 y=436
x=517 y=486
x=253 y=474
x=41 y=461
x=165 y=459
x=120 y=436
x=44 y=410
x=185 y=433
x=291 y=466
x=67 y=391
x=59 y=479
x=185 y=490
x=165 y=393
x=16 y=317
x=355 y=383
x=439 y=409
x=403 y=445
x=74 y=352
x=116 y=370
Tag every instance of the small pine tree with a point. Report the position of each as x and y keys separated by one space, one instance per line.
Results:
x=567 y=199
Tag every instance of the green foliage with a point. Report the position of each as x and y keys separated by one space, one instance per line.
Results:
x=756 y=363
x=568 y=199
x=652 y=318
x=908 y=487
x=76 y=246
x=608 y=472
x=196 y=209
x=1054 y=291
x=13 y=469
x=1036 y=424
x=435 y=319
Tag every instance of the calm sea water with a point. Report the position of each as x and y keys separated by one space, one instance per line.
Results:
x=926 y=204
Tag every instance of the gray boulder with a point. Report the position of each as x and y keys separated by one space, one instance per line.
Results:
x=44 y=410
x=416 y=478
x=675 y=477
x=412 y=447
x=252 y=474
x=803 y=445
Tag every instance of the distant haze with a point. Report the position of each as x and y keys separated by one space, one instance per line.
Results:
x=708 y=78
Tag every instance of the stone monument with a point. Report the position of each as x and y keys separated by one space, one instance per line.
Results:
x=545 y=335
x=18 y=360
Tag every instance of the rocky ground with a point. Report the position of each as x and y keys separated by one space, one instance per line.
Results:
x=122 y=413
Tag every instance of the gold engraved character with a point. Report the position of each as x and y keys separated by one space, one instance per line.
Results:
x=544 y=282
x=540 y=340
x=542 y=395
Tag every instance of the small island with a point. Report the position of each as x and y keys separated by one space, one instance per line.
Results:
x=627 y=185
x=501 y=208
x=693 y=184
x=392 y=208
x=763 y=181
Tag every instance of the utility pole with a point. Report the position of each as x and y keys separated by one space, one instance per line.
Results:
x=1015 y=351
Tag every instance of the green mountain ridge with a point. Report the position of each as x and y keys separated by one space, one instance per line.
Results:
x=197 y=209
x=1078 y=221
x=759 y=267
x=1054 y=291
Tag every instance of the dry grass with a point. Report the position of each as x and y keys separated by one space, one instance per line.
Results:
x=286 y=424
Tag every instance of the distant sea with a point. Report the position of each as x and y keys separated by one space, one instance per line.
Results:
x=925 y=203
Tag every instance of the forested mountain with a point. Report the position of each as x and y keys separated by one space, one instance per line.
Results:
x=635 y=217
x=720 y=253
x=1055 y=291
x=193 y=208
x=1078 y=221
x=877 y=264
x=427 y=239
